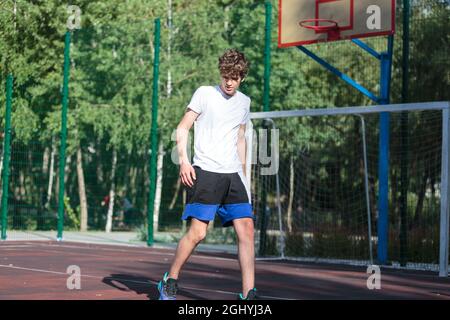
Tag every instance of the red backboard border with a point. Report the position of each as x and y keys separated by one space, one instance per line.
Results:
x=365 y=35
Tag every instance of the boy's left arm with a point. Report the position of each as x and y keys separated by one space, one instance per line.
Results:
x=242 y=147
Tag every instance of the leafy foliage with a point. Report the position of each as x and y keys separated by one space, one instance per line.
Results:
x=111 y=81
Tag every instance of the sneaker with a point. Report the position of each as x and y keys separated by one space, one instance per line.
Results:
x=167 y=288
x=251 y=295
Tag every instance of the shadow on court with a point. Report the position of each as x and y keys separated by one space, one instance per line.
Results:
x=38 y=270
x=142 y=286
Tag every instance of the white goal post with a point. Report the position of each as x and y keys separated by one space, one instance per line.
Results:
x=362 y=111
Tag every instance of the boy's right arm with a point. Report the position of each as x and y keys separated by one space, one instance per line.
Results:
x=187 y=172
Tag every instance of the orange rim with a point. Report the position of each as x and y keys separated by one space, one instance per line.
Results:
x=333 y=24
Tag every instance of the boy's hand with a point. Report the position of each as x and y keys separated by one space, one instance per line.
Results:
x=187 y=174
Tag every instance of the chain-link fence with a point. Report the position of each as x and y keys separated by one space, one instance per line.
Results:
x=109 y=114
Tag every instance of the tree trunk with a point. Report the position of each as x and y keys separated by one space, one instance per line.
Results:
x=99 y=166
x=226 y=22
x=17 y=218
x=1 y=162
x=15 y=14
x=159 y=175
x=299 y=206
x=100 y=181
x=111 y=193
x=51 y=174
x=146 y=184
x=56 y=184
x=335 y=198
x=43 y=202
x=420 y=197
x=175 y=195
x=126 y=173
x=133 y=185
x=34 y=195
x=396 y=199
x=82 y=191
x=372 y=200
x=1 y=167
x=291 y=193
x=67 y=172
x=22 y=190
x=45 y=162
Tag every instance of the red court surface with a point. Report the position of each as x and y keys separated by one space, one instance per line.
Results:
x=38 y=270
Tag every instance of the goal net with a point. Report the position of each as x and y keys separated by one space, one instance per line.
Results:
x=315 y=184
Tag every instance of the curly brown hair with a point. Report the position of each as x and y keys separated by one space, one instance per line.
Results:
x=233 y=64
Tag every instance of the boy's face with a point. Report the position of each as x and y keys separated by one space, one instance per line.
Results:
x=229 y=85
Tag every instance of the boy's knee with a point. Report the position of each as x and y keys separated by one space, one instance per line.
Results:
x=246 y=230
x=197 y=235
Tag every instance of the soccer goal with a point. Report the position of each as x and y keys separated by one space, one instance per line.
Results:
x=315 y=184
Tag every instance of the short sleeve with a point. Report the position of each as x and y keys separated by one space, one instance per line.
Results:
x=197 y=101
x=247 y=114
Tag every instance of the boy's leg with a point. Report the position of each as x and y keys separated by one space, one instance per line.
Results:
x=187 y=244
x=244 y=228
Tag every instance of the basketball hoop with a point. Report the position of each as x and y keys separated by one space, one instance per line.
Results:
x=332 y=29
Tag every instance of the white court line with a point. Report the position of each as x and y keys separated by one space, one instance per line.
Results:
x=15 y=246
x=134 y=281
x=40 y=270
x=10 y=247
x=128 y=251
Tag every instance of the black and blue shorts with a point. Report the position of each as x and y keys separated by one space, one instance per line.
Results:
x=226 y=194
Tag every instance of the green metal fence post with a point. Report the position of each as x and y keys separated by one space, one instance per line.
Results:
x=154 y=135
x=62 y=150
x=6 y=155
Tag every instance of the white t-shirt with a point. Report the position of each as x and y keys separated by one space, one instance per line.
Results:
x=216 y=128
